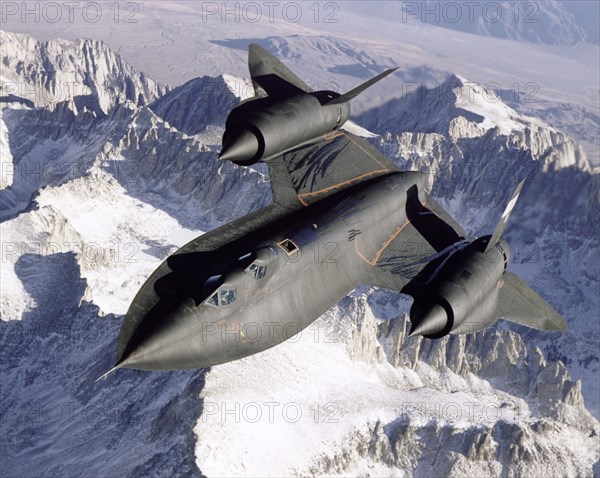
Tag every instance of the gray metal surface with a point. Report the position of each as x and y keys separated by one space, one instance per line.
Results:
x=343 y=215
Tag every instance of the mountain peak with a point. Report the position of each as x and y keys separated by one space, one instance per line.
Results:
x=82 y=73
x=202 y=102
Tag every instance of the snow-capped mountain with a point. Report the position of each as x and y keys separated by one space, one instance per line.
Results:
x=84 y=75
x=95 y=197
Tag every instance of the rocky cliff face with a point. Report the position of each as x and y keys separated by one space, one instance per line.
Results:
x=84 y=75
x=97 y=196
x=540 y=401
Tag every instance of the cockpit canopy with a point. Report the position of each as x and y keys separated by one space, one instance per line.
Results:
x=223 y=296
x=260 y=263
x=256 y=270
x=221 y=290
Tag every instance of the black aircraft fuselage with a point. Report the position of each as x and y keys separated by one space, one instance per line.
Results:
x=288 y=273
x=342 y=215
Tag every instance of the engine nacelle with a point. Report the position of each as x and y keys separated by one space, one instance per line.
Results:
x=463 y=293
x=256 y=134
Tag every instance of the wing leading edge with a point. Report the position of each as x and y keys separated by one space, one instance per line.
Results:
x=521 y=304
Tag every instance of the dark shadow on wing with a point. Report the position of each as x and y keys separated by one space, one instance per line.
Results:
x=436 y=232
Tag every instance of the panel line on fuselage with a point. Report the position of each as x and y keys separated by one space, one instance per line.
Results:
x=335 y=186
x=385 y=169
x=373 y=262
x=367 y=153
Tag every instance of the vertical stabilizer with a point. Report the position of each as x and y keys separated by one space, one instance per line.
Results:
x=271 y=76
x=505 y=217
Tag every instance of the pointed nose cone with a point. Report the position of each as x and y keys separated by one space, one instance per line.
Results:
x=162 y=339
x=240 y=147
x=428 y=319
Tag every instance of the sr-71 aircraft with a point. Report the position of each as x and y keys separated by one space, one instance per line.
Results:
x=342 y=215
